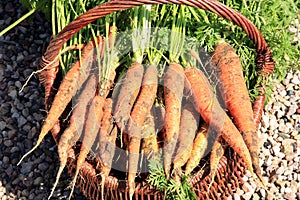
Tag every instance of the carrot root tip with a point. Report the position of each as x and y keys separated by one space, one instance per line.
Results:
x=29 y=152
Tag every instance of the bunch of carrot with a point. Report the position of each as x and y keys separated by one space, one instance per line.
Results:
x=173 y=109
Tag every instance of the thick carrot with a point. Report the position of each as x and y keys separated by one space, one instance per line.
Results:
x=128 y=94
x=199 y=148
x=138 y=115
x=217 y=152
x=74 y=130
x=64 y=95
x=91 y=129
x=173 y=93
x=188 y=128
x=212 y=113
x=236 y=97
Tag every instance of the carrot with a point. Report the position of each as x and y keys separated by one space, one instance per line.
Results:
x=212 y=113
x=107 y=138
x=188 y=128
x=128 y=94
x=160 y=114
x=236 y=97
x=149 y=133
x=217 y=152
x=73 y=132
x=173 y=93
x=47 y=73
x=91 y=129
x=64 y=95
x=138 y=115
x=199 y=148
x=92 y=126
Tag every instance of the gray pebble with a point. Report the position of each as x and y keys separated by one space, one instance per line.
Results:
x=26 y=167
x=25 y=112
x=2 y=125
x=5 y=160
x=12 y=94
x=14 y=149
x=20 y=58
x=38 y=180
x=21 y=121
x=8 y=143
x=43 y=166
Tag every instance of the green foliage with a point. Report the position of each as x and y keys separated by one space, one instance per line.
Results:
x=171 y=189
x=272 y=17
x=38 y=5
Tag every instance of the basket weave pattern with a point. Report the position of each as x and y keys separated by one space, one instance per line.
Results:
x=231 y=168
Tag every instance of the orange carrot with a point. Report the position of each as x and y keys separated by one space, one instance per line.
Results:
x=217 y=152
x=160 y=114
x=107 y=138
x=48 y=71
x=128 y=94
x=149 y=133
x=74 y=130
x=91 y=129
x=173 y=93
x=140 y=110
x=236 y=97
x=188 y=128
x=64 y=95
x=199 y=148
x=209 y=108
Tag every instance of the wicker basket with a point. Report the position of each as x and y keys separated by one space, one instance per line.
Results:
x=231 y=168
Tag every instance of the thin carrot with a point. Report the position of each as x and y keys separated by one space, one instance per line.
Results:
x=188 y=128
x=217 y=152
x=64 y=95
x=91 y=129
x=74 y=130
x=199 y=148
x=236 y=97
x=160 y=114
x=173 y=93
x=128 y=94
x=138 y=115
x=107 y=138
x=212 y=113
x=149 y=133
x=92 y=126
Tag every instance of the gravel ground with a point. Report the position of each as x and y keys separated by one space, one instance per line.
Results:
x=21 y=115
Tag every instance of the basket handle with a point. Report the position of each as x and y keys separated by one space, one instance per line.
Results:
x=264 y=60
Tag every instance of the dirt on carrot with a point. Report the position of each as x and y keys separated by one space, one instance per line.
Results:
x=149 y=137
x=235 y=95
x=217 y=152
x=189 y=122
x=138 y=115
x=173 y=93
x=91 y=130
x=127 y=95
x=107 y=139
x=74 y=130
x=198 y=150
x=66 y=90
x=212 y=113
